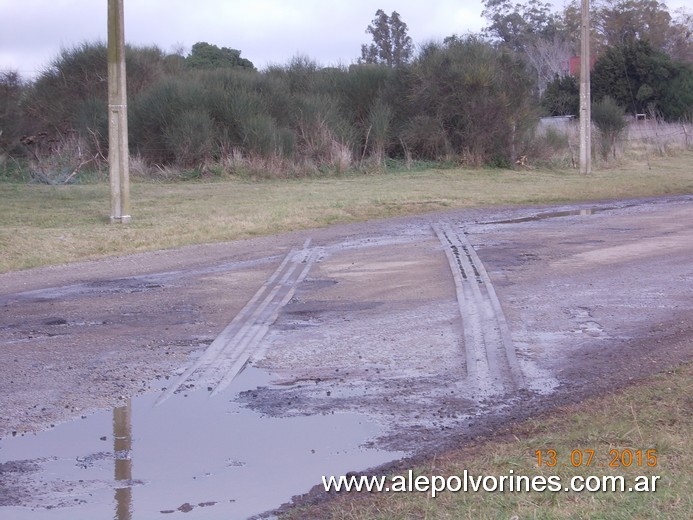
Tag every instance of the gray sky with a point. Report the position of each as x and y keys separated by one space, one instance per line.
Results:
x=32 y=32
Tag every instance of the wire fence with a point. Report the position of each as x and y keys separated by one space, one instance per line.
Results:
x=640 y=133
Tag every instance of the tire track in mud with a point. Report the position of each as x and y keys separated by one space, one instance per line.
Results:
x=228 y=354
x=492 y=364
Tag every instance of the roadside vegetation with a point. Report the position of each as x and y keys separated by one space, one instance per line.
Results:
x=466 y=100
x=654 y=414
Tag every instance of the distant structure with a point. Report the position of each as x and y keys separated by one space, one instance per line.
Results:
x=574 y=65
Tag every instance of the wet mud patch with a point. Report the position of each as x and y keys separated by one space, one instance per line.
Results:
x=298 y=312
x=192 y=454
x=414 y=411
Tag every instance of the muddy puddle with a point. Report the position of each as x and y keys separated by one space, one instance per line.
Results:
x=190 y=457
x=553 y=214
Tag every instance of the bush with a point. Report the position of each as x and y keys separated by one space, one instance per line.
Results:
x=477 y=94
x=426 y=139
x=464 y=100
x=562 y=97
x=609 y=119
x=191 y=137
x=379 y=126
x=12 y=123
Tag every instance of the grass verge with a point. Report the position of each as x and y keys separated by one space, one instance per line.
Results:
x=46 y=225
x=652 y=415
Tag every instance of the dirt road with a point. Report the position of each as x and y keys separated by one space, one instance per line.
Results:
x=439 y=327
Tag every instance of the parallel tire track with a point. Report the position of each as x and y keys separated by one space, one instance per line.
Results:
x=228 y=354
x=490 y=354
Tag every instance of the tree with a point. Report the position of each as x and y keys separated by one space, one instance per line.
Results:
x=517 y=25
x=677 y=99
x=391 y=45
x=621 y=21
x=643 y=79
x=562 y=96
x=549 y=58
x=206 y=56
x=534 y=31
x=616 y=22
x=679 y=42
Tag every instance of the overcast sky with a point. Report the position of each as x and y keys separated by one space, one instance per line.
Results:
x=331 y=32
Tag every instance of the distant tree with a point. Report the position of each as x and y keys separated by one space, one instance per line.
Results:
x=391 y=45
x=615 y=22
x=517 y=25
x=533 y=30
x=207 y=56
x=549 y=57
x=402 y=46
x=381 y=49
x=680 y=41
x=562 y=96
x=677 y=99
x=571 y=19
x=643 y=79
x=620 y=21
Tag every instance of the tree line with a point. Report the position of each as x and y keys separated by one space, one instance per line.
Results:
x=644 y=53
x=471 y=99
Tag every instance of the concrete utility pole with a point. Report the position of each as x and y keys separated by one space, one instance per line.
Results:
x=122 y=448
x=585 y=98
x=118 y=168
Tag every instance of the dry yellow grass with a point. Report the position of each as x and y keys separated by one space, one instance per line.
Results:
x=44 y=225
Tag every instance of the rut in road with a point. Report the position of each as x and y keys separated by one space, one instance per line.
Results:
x=226 y=356
x=492 y=365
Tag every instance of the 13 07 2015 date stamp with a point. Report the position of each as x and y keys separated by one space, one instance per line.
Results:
x=583 y=458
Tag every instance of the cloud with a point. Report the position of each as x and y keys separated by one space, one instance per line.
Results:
x=265 y=31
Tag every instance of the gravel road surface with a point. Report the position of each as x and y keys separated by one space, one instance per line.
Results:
x=439 y=327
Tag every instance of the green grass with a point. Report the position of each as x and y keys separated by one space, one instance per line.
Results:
x=44 y=225
x=654 y=415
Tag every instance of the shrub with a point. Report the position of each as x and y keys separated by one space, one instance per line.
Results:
x=610 y=122
x=425 y=138
x=12 y=123
x=562 y=96
x=191 y=137
x=479 y=95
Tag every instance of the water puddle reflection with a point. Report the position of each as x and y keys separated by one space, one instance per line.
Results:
x=552 y=214
x=205 y=457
